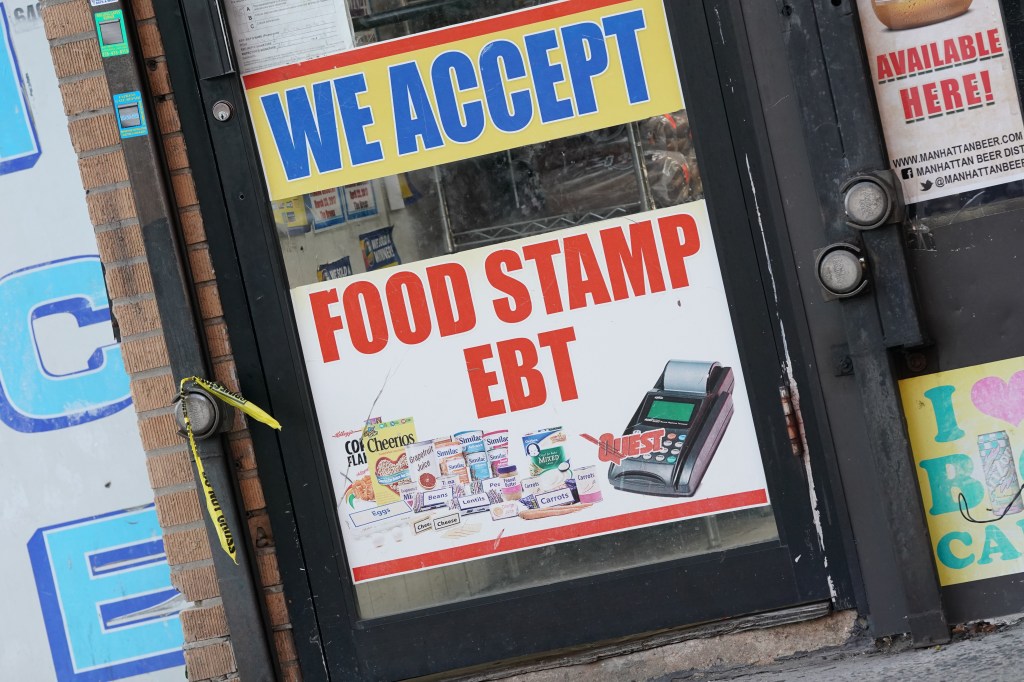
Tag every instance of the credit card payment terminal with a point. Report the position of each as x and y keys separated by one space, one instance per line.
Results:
x=692 y=403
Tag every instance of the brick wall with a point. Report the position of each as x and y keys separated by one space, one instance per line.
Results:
x=87 y=103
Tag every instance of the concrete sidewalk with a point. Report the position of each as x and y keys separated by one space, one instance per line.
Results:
x=980 y=651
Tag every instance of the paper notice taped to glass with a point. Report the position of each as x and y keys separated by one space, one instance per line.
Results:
x=269 y=33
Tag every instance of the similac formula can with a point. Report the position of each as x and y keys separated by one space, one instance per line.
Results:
x=496 y=458
x=476 y=455
x=588 y=484
x=479 y=467
x=472 y=441
x=496 y=440
x=451 y=459
x=545 y=449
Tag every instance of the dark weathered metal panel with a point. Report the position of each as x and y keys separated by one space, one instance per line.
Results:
x=829 y=104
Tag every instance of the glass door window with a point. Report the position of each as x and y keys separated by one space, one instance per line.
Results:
x=523 y=362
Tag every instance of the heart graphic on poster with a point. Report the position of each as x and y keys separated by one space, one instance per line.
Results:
x=387 y=468
x=1000 y=399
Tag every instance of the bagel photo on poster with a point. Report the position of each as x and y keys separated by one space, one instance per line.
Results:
x=903 y=14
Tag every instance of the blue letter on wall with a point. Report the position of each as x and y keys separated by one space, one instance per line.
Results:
x=59 y=364
x=106 y=596
x=19 y=144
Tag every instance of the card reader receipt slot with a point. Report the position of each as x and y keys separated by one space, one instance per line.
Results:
x=692 y=402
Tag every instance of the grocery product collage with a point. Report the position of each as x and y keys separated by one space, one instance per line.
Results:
x=450 y=484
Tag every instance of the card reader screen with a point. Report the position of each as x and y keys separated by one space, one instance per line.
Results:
x=670 y=411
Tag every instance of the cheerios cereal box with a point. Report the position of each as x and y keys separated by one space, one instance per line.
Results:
x=384 y=445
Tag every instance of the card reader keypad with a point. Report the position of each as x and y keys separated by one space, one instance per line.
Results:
x=669 y=449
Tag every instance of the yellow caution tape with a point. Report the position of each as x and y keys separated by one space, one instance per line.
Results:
x=227 y=540
x=235 y=400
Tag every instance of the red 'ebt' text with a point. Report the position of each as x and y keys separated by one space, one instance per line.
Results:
x=546 y=277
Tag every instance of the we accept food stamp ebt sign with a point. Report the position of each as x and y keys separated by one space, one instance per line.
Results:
x=562 y=386
x=965 y=430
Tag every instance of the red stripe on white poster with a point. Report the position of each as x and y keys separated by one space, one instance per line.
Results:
x=499 y=545
x=534 y=392
x=946 y=94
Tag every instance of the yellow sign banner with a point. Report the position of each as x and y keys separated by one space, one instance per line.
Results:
x=967 y=438
x=431 y=98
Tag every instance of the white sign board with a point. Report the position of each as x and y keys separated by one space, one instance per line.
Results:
x=515 y=377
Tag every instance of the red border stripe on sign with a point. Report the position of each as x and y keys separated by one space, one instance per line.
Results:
x=560 y=534
x=419 y=41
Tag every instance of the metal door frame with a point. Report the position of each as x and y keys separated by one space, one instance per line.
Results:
x=331 y=642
